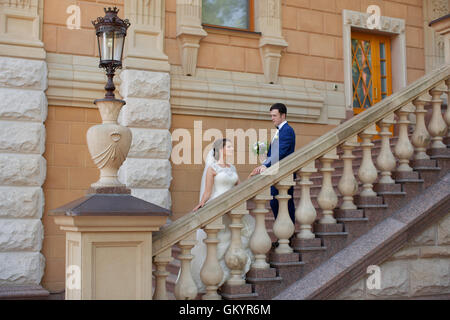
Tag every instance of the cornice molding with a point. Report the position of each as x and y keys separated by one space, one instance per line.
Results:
x=75 y=81
x=225 y=94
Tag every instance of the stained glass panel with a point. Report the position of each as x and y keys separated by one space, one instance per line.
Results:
x=362 y=73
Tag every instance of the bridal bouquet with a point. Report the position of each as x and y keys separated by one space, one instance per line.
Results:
x=260 y=148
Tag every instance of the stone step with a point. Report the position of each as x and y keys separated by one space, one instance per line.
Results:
x=330 y=239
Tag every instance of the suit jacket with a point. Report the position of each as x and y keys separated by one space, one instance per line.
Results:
x=282 y=146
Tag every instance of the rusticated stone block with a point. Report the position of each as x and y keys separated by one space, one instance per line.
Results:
x=426 y=237
x=150 y=143
x=160 y=197
x=429 y=276
x=23 y=73
x=145 y=173
x=25 y=105
x=145 y=113
x=21 y=202
x=21 y=268
x=22 y=137
x=394 y=280
x=22 y=170
x=443 y=231
x=21 y=235
x=145 y=84
x=354 y=292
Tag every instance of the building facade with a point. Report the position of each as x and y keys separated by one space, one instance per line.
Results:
x=186 y=72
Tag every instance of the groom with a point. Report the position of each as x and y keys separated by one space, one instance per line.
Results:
x=282 y=145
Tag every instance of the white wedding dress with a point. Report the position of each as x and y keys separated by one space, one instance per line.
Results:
x=224 y=180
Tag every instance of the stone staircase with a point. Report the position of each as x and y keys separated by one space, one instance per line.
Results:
x=345 y=188
x=331 y=238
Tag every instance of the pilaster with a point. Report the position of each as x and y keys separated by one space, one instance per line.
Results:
x=23 y=110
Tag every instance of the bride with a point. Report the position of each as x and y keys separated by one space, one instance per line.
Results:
x=219 y=177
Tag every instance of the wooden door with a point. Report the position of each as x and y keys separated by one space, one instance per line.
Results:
x=371 y=69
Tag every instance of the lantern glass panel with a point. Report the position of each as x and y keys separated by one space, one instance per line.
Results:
x=118 y=46
x=111 y=45
x=107 y=45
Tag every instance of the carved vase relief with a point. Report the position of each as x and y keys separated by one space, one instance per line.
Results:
x=109 y=143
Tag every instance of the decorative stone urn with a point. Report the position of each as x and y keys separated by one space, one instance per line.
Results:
x=109 y=143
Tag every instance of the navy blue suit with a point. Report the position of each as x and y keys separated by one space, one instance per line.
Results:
x=280 y=148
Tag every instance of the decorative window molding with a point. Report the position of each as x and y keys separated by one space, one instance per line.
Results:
x=353 y=20
x=268 y=21
x=21 y=29
x=189 y=33
x=144 y=47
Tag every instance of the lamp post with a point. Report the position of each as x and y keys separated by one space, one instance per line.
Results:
x=109 y=142
x=111 y=32
x=108 y=231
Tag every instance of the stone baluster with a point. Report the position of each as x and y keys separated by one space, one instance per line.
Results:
x=367 y=172
x=305 y=213
x=260 y=242
x=327 y=198
x=211 y=272
x=185 y=288
x=420 y=138
x=437 y=126
x=348 y=186
x=283 y=227
x=386 y=160
x=236 y=257
x=161 y=261
x=403 y=149
x=447 y=112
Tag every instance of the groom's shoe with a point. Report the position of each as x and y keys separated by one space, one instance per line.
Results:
x=275 y=244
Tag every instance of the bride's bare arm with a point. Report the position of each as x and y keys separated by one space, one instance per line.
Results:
x=210 y=173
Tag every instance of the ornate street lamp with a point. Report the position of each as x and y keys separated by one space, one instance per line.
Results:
x=108 y=213
x=111 y=32
x=109 y=142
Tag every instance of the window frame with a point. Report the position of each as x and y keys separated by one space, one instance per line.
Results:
x=251 y=20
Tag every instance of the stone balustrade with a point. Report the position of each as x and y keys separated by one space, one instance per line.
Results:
x=391 y=164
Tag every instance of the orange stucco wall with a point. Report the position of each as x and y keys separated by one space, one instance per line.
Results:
x=313 y=29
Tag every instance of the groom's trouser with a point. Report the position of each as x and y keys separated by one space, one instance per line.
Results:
x=274 y=203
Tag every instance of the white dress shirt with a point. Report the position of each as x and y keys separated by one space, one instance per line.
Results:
x=279 y=128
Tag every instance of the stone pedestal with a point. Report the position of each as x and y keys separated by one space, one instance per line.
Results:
x=109 y=246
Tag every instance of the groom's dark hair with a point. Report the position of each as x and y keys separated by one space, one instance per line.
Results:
x=280 y=107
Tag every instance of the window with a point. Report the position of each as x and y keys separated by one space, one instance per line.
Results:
x=234 y=14
x=371 y=70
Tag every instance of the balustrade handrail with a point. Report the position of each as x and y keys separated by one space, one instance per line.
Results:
x=186 y=225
